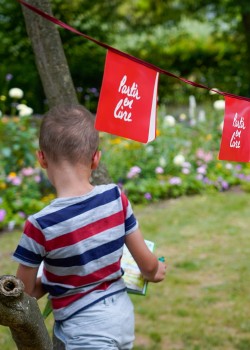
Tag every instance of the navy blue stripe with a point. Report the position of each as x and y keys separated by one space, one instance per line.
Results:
x=130 y=222
x=55 y=290
x=78 y=208
x=90 y=255
x=28 y=256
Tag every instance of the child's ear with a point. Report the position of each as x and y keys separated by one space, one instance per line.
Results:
x=96 y=159
x=41 y=159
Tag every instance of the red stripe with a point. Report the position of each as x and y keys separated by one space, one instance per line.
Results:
x=65 y=301
x=33 y=232
x=84 y=232
x=124 y=204
x=78 y=281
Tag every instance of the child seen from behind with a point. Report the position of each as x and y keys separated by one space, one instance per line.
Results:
x=80 y=238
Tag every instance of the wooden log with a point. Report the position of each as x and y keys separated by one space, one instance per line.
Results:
x=22 y=315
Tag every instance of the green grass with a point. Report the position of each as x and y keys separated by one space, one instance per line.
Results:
x=204 y=303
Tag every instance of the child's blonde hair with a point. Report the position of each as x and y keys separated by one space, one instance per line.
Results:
x=68 y=133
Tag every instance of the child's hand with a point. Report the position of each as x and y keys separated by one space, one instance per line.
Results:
x=160 y=273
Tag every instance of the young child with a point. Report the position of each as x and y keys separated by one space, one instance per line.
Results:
x=80 y=237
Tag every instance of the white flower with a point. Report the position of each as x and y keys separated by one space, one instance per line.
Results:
x=25 y=111
x=183 y=116
x=179 y=159
x=202 y=116
x=169 y=120
x=219 y=105
x=16 y=93
x=162 y=162
x=11 y=225
x=21 y=106
x=149 y=149
x=213 y=91
x=228 y=166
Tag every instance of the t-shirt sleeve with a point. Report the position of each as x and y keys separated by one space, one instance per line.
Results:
x=31 y=248
x=131 y=224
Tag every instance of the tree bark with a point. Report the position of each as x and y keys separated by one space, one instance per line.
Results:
x=21 y=314
x=53 y=67
x=49 y=55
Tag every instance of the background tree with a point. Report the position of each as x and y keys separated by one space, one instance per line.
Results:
x=207 y=41
x=52 y=64
x=49 y=55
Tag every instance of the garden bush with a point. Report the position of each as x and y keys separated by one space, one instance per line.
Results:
x=182 y=160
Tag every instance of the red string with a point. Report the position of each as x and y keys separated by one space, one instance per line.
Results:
x=121 y=53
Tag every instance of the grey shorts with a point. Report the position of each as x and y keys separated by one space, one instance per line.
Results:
x=108 y=324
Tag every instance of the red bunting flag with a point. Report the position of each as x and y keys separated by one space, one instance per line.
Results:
x=128 y=99
x=235 y=142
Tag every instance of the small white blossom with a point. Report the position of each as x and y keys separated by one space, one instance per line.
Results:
x=162 y=162
x=169 y=120
x=183 y=117
x=25 y=111
x=21 y=106
x=11 y=225
x=149 y=149
x=16 y=93
x=179 y=159
x=202 y=116
x=229 y=166
x=213 y=91
x=219 y=105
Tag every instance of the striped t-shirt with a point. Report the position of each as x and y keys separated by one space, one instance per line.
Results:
x=80 y=240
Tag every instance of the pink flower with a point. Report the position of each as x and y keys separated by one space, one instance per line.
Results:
x=159 y=170
x=148 y=196
x=202 y=170
x=27 y=171
x=16 y=181
x=185 y=171
x=21 y=214
x=206 y=156
x=134 y=171
x=37 y=178
x=2 y=214
x=175 y=181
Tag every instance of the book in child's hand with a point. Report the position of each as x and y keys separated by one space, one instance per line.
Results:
x=135 y=282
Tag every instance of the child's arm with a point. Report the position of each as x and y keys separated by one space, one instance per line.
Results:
x=32 y=284
x=152 y=269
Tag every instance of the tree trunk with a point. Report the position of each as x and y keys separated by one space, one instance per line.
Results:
x=49 y=54
x=52 y=65
x=21 y=314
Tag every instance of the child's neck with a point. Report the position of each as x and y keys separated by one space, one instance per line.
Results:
x=71 y=181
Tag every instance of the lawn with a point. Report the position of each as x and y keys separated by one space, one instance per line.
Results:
x=204 y=303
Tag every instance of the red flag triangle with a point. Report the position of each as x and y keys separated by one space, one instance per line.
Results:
x=128 y=99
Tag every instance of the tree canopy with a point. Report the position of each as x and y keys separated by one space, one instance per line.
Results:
x=205 y=41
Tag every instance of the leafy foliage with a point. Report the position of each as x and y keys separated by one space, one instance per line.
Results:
x=206 y=41
x=181 y=161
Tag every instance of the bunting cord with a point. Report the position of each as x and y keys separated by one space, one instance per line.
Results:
x=126 y=55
